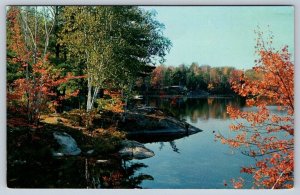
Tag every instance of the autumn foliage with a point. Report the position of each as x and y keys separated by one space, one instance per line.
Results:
x=115 y=103
x=39 y=91
x=264 y=134
x=35 y=90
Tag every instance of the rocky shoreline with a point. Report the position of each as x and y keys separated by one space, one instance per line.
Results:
x=145 y=121
x=141 y=122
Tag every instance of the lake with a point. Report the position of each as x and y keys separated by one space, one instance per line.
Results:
x=196 y=161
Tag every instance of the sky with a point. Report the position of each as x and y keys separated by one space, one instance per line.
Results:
x=222 y=35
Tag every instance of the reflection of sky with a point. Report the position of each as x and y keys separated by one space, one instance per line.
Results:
x=200 y=163
x=222 y=35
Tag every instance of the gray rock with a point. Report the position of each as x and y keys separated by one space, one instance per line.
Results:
x=101 y=161
x=57 y=154
x=158 y=123
x=135 y=150
x=165 y=126
x=68 y=145
x=90 y=152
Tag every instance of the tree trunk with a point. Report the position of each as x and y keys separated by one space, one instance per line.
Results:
x=89 y=97
x=126 y=102
x=88 y=104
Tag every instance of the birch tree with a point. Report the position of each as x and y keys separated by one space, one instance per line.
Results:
x=115 y=43
x=32 y=26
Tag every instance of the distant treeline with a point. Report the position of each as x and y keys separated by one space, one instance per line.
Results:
x=215 y=80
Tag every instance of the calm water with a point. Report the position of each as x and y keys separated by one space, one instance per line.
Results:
x=197 y=161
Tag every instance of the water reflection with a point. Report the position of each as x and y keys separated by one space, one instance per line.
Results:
x=121 y=175
x=195 y=108
x=173 y=146
x=77 y=172
x=176 y=164
x=156 y=138
x=195 y=161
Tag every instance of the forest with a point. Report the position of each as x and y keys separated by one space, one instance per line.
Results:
x=197 y=79
x=60 y=59
x=67 y=54
x=77 y=69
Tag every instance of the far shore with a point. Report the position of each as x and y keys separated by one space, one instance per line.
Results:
x=193 y=96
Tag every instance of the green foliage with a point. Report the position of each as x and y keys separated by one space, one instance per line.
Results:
x=110 y=45
x=106 y=145
x=195 y=78
x=114 y=42
x=103 y=103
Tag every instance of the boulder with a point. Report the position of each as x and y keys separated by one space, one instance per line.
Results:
x=161 y=127
x=147 y=120
x=68 y=146
x=135 y=150
x=90 y=152
x=101 y=161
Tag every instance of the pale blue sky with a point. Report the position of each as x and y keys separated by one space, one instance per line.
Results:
x=222 y=35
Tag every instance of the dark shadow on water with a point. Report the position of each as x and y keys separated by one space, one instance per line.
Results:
x=111 y=171
x=155 y=138
x=76 y=172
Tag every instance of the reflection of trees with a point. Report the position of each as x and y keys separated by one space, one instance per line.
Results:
x=47 y=173
x=77 y=172
x=173 y=146
x=161 y=145
x=155 y=138
x=132 y=181
x=196 y=108
x=116 y=173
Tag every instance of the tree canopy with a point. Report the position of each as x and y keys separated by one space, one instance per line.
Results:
x=114 y=42
x=109 y=46
x=262 y=134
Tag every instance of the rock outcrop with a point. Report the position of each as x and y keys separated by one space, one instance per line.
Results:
x=68 y=146
x=134 y=150
x=150 y=120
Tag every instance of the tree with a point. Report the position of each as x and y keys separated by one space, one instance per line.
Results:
x=157 y=76
x=262 y=134
x=17 y=55
x=27 y=45
x=115 y=43
x=29 y=31
x=167 y=77
x=179 y=76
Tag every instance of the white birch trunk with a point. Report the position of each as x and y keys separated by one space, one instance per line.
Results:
x=89 y=98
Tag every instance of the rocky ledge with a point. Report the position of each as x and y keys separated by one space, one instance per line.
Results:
x=134 y=150
x=68 y=146
x=152 y=121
